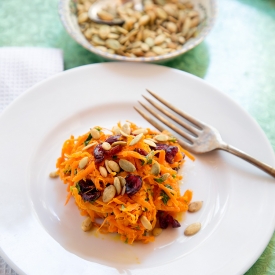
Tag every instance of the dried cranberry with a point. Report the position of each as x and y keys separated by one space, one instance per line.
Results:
x=170 y=151
x=113 y=139
x=161 y=146
x=114 y=150
x=163 y=223
x=133 y=184
x=166 y=220
x=85 y=186
x=175 y=223
x=91 y=196
x=99 y=153
x=142 y=152
x=88 y=191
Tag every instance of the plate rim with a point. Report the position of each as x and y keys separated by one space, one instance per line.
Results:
x=128 y=64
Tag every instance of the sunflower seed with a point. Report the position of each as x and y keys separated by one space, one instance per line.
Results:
x=54 y=174
x=126 y=128
x=89 y=146
x=122 y=180
x=106 y=146
x=123 y=133
x=136 y=139
x=116 y=130
x=165 y=176
x=103 y=171
x=87 y=224
x=113 y=166
x=157 y=50
x=192 y=229
x=145 y=47
x=172 y=27
x=119 y=142
x=123 y=190
x=161 y=13
x=144 y=20
x=145 y=222
x=155 y=170
x=140 y=131
x=104 y=31
x=161 y=137
x=159 y=39
x=150 y=142
x=95 y=133
x=97 y=40
x=104 y=15
x=83 y=162
x=83 y=17
x=181 y=40
x=194 y=206
x=186 y=26
x=149 y=41
x=107 y=167
x=113 y=44
x=127 y=165
x=108 y=193
x=117 y=185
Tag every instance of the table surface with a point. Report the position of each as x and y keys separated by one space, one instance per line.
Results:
x=237 y=57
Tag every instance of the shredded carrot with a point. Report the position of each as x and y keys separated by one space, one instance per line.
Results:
x=82 y=169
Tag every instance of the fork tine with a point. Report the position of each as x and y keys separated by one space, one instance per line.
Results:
x=176 y=110
x=182 y=143
x=190 y=128
x=166 y=122
x=150 y=120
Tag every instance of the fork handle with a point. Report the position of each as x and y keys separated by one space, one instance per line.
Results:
x=266 y=168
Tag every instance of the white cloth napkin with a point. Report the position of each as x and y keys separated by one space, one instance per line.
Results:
x=21 y=68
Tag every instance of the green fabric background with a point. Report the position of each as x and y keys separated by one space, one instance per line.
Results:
x=237 y=57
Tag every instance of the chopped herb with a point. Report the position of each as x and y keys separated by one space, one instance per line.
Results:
x=75 y=171
x=122 y=207
x=149 y=157
x=149 y=161
x=98 y=129
x=168 y=186
x=142 y=162
x=159 y=180
x=77 y=187
x=165 y=197
x=174 y=176
x=163 y=178
x=86 y=142
x=172 y=139
x=67 y=171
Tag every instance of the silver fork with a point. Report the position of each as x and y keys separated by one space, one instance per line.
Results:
x=199 y=137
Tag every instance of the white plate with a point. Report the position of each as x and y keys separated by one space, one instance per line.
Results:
x=39 y=235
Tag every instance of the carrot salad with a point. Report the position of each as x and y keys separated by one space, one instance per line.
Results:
x=127 y=178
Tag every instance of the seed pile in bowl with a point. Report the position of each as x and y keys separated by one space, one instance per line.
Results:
x=127 y=177
x=161 y=27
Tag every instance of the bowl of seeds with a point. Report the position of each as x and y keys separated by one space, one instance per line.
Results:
x=138 y=30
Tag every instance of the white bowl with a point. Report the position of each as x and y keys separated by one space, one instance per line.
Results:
x=206 y=8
